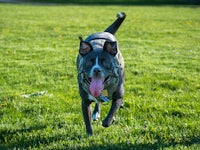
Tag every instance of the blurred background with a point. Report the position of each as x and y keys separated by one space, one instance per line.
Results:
x=113 y=2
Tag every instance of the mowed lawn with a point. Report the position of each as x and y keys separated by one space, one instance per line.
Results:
x=40 y=107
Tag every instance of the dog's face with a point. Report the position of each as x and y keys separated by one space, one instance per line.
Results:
x=98 y=66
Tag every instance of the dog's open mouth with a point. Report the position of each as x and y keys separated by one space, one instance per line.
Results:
x=96 y=84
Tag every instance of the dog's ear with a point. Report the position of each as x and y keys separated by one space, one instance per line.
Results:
x=110 y=47
x=84 y=48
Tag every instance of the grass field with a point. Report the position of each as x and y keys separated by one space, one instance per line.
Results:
x=38 y=47
x=122 y=2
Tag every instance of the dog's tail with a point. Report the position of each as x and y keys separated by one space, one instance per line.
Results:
x=116 y=24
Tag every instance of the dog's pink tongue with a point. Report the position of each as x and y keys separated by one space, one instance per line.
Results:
x=96 y=86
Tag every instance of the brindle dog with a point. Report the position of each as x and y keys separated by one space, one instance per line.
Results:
x=100 y=68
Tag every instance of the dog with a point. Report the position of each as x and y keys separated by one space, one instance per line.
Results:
x=100 y=68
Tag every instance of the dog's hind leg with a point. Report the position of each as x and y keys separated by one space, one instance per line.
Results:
x=116 y=104
x=96 y=112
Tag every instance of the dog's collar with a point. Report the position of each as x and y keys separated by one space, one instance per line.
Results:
x=101 y=98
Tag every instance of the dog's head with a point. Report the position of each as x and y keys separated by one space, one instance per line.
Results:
x=98 y=64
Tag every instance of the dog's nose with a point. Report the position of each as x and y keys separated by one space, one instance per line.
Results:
x=97 y=70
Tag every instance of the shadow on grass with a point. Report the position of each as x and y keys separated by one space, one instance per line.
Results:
x=158 y=145
x=22 y=142
x=7 y=135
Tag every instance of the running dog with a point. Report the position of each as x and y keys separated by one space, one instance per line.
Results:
x=100 y=68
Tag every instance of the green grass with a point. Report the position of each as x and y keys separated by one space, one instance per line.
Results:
x=126 y=2
x=38 y=47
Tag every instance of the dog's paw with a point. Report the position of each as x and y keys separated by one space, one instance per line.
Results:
x=95 y=116
x=108 y=122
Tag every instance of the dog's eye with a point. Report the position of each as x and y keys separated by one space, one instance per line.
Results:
x=105 y=63
x=89 y=63
x=102 y=60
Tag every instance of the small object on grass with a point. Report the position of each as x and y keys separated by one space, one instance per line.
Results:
x=34 y=94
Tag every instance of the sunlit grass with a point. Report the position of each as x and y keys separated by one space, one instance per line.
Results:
x=38 y=48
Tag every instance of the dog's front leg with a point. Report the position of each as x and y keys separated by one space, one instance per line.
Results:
x=87 y=113
x=116 y=104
